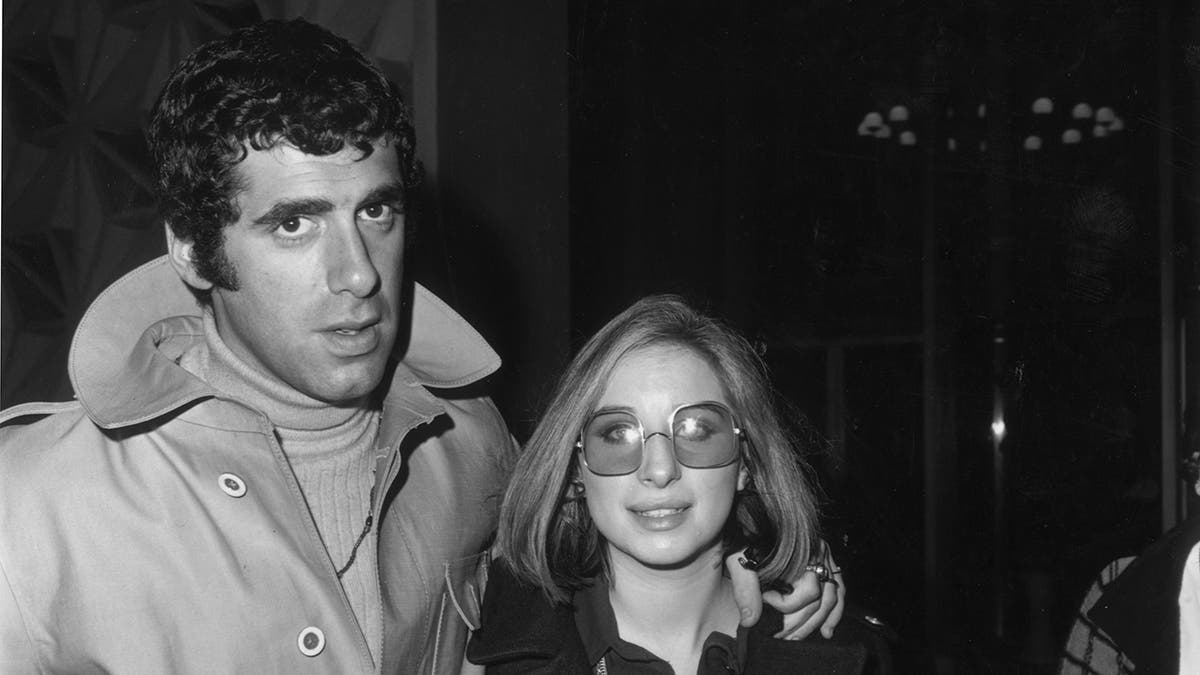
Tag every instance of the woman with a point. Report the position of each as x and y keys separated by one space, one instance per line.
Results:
x=660 y=453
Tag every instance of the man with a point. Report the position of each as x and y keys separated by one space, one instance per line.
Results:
x=266 y=467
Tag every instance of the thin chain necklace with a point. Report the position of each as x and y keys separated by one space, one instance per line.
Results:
x=370 y=506
x=361 y=535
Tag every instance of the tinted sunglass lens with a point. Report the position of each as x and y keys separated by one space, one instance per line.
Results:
x=612 y=443
x=704 y=436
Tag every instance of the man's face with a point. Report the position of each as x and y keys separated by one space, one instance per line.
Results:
x=317 y=252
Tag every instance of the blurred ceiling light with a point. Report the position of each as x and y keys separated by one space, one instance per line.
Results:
x=870 y=124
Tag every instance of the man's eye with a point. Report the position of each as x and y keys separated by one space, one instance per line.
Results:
x=293 y=228
x=377 y=212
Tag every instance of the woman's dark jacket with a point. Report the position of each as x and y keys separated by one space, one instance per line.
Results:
x=522 y=632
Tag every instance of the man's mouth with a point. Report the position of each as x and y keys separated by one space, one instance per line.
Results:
x=355 y=326
x=353 y=339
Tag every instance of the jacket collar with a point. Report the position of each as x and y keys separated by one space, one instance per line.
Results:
x=122 y=358
x=522 y=631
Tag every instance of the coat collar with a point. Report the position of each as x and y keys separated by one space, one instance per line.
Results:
x=522 y=631
x=122 y=365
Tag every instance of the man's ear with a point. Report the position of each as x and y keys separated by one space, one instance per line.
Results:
x=182 y=256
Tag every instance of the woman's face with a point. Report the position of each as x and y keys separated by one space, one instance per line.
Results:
x=663 y=514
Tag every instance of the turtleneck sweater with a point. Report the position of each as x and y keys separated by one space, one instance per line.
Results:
x=332 y=452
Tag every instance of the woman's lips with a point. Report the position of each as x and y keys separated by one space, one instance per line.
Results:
x=660 y=518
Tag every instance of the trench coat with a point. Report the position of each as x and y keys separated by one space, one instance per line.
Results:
x=153 y=526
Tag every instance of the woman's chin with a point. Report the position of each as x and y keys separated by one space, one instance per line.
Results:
x=673 y=557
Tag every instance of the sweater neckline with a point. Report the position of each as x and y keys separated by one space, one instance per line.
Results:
x=291 y=412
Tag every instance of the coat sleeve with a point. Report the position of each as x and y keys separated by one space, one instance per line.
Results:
x=16 y=647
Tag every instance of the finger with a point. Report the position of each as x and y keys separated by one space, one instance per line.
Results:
x=835 y=615
x=803 y=608
x=805 y=591
x=746 y=592
x=832 y=596
x=812 y=617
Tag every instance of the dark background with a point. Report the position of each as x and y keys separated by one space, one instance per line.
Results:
x=907 y=296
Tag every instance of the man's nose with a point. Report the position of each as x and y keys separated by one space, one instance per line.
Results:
x=659 y=467
x=351 y=269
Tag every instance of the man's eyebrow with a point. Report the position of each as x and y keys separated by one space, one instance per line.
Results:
x=391 y=192
x=291 y=208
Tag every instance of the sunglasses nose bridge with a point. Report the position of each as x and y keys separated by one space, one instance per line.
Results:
x=659 y=466
x=667 y=440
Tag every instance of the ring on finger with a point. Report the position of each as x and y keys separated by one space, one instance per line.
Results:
x=824 y=572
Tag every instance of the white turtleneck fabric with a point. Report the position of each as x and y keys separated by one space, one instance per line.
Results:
x=332 y=452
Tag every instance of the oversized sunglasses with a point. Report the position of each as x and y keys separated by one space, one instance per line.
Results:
x=703 y=435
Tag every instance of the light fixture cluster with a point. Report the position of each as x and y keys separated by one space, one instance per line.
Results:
x=1100 y=123
x=873 y=124
x=1104 y=120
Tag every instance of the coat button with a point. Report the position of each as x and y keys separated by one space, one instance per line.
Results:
x=232 y=484
x=311 y=641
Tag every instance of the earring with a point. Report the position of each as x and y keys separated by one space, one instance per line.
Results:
x=748 y=486
x=575 y=490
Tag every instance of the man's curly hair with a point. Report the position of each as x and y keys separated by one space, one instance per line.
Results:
x=274 y=82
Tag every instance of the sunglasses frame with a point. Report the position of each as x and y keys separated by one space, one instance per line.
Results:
x=738 y=433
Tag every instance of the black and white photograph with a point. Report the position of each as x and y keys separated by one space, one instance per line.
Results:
x=857 y=337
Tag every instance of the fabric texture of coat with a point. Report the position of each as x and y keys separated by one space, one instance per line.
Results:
x=154 y=526
x=524 y=633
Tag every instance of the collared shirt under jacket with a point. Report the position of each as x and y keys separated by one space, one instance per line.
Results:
x=154 y=526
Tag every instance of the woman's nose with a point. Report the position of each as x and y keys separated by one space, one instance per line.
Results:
x=659 y=466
